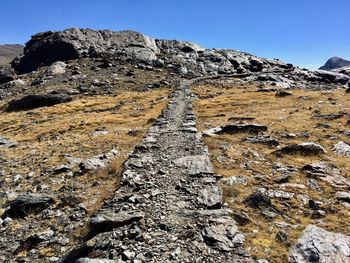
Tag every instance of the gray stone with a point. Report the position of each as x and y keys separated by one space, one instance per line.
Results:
x=105 y=221
x=74 y=43
x=221 y=236
x=342 y=148
x=56 y=68
x=196 y=164
x=319 y=245
x=210 y=196
x=6 y=143
x=97 y=162
x=307 y=148
x=28 y=203
x=326 y=172
x=262 y=139
x=343 y=196
x=96 y=260
x=234 y=180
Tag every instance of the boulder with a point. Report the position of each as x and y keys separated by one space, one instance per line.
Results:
x=319 y=245
x=28 y=203
x=224 y=235
x=105 y=221
x=56 y=68
x=210 y=196
x=37 y=101
x=307 y=149
x=342 y=148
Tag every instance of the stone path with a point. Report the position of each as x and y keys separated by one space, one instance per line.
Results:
x=169 y=206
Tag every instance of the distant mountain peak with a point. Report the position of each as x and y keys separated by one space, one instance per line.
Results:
x=335 y=63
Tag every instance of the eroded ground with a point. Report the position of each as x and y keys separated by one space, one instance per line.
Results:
x=297 y=200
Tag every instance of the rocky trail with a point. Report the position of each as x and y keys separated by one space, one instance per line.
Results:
x=169 y=206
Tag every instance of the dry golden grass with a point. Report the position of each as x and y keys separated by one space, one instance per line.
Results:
x=49 y=136
x=216 y=104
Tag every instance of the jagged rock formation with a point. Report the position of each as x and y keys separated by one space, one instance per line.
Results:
x=185 y=58
x=335 y=63
x=8 y=52
x=169 y=207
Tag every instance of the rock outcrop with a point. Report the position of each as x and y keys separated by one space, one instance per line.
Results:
x=48 y=47
x=319 y=245
x=185 y=58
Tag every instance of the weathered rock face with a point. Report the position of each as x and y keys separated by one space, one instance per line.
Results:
x=48 y=47
x=319 y=245
x=182 y=57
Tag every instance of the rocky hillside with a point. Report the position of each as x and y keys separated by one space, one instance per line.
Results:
x=335 y=63
x=9 y=52
x=119 y=147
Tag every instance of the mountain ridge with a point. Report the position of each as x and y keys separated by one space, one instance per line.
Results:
x=9 y=51
x=335 y=63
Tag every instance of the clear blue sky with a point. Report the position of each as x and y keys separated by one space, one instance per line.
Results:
x=303 y=32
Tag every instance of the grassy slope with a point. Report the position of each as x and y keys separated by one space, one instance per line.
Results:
x=294 y=114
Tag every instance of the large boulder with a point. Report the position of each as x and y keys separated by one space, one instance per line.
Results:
x=29 y=102
x=318 y=245
x=48 y=47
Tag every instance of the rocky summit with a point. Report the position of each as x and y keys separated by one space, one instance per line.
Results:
x=335 y=63
x=119 y=147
